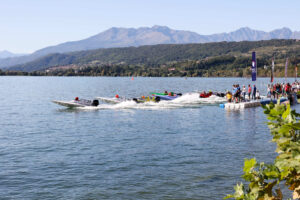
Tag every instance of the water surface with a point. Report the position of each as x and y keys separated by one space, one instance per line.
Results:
x=47 y=152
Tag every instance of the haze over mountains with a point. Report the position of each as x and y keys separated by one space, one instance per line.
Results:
x=7 y=54
x=125 y=37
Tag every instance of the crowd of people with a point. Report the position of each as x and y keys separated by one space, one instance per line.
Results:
x=282 y=89
x=274 y=91
x=239 y=94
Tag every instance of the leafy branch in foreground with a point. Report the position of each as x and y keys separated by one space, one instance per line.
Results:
x=264 y=178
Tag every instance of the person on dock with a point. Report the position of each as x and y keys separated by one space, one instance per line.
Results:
x=277 y=91
x=233 y=92
x=272 y=91
x=257 y=95
x=269 y=91
x=238 y=93
x=244 y=93
x=254 y=92
x=287 y=88
x=249 y=91
x=283 y=85
x=228 y=96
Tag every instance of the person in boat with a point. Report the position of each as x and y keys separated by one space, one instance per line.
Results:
x=220 y=94
x=166 y=92
x=76 y=99
x=205 y=95
x=249 y=91
x=171 y=94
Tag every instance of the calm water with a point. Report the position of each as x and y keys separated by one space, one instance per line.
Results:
x=47 y=152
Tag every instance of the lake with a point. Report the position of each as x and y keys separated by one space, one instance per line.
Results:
x=130 y=152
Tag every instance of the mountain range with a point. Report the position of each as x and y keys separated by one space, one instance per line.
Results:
x=7 y=54
x=126 y=37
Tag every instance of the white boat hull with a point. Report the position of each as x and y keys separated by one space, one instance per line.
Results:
x=69 y=104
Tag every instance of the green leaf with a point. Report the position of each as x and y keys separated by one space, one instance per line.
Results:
x=272 y=174
x=249 y=164
x=287 y=112
x=229 y=196
x=285 y=129
x=296 y=126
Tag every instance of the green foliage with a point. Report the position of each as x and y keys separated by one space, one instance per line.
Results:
x=264 y=178
x=209 y=59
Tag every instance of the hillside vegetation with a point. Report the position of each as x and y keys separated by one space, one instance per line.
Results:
x=209 y=59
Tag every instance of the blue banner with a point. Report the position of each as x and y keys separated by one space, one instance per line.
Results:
x=253 y=67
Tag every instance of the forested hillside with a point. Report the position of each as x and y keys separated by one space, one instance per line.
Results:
x=209 y=59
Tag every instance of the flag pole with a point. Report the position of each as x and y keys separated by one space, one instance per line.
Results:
x=286 y=66
x=272 y=69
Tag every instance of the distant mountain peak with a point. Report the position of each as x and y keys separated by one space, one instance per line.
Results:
x=160 y=27
x=246 y=28
x=8 y=54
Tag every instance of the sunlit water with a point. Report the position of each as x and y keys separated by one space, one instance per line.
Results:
x=127 y=152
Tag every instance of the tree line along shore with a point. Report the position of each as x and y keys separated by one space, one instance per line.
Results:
x=183 y=69
x=222 y=59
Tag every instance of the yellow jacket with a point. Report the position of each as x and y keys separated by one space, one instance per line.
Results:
x=228 y=96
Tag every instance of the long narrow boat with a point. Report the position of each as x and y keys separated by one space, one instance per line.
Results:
x=166 y=97
x=137 y=100
x=156 y=93
x=163 y=94
x=77 y=103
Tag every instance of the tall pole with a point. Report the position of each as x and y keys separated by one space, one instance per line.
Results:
x=272 y=72
x=286 y=66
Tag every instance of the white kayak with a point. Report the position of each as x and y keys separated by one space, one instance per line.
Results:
x=77 y=104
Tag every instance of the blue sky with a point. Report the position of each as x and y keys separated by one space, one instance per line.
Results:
x=28 y=25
